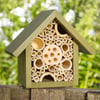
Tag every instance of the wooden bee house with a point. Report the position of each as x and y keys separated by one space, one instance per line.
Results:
x=47 y=51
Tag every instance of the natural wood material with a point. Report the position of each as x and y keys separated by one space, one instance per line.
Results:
x=69 y=93
x=49 y=53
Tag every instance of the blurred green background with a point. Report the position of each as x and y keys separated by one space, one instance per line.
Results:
x=84 y=15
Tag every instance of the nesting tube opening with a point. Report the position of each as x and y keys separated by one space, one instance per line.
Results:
x=37 y=43
x=47 y=77
x=66 y=64
x=65 y=47
x=38 y=63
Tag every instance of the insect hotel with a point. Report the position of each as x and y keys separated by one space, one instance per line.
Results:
x=47 y=51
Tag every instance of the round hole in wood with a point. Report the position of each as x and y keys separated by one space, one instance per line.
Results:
x=55 y=59
x=37 y=43
x=48 y=49
x=46 y=55
x=49 y=26
x=58 y=54
x=49 y=61
x=51 y=54
x=66 y=64
x=65 y=47
x=51 y=68
x=59 y=77
x=39 y=63
x=54 y=49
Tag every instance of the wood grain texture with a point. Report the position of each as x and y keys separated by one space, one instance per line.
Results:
x=75 y=64
x=37 y=25
x=51 y=84
x=76 y=94
x=48 y=94
x=93 y=96
x=19 y=93
x=4 y=93
x=24 y=67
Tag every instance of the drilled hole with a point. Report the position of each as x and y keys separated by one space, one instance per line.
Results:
x=49 y=61
x=51 y=68
x=52 y=54
x=65 y=47
x=54 y=49
x=59 y=77
x=46 y=55
x=55 y=59
x=58 y=54
x=39 y=63
x=48 y=49
x=66 y=64
x=48 y=78
x=37 y=43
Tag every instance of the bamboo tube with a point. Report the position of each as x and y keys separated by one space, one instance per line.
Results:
x=56 y=72
x=61 y=71
x=51 y=68
x=38 y=63
x=57 y=67
x=37 y=43
x=42 y=71
x=66 y=72
x=57 y=32
x=58 y=42
x=70 y=42
x=33 y=58
x=47 y=74
x=41 y=34
x=33 y=53
x=65 y=79
x=46 y=67
x=38 y=73
x=51 y=54
x=48 y=42
x=33 y=69
x=50 y=26
x=65 y=47
x=36 y=79
x=66 y=64
x=60 y=77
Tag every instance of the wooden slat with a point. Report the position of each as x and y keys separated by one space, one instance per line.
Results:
x=40 y=94
x=24 y=67
x=51 y=84
x=57 y=94
x=19 y=93
x=48 y=94
x=93 y=96
x=28 y=67
x=4 y=93
x=76 y=94
x=75 y=64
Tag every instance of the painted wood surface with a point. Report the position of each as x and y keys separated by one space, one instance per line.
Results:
x=75 y=64
x=20 y=93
